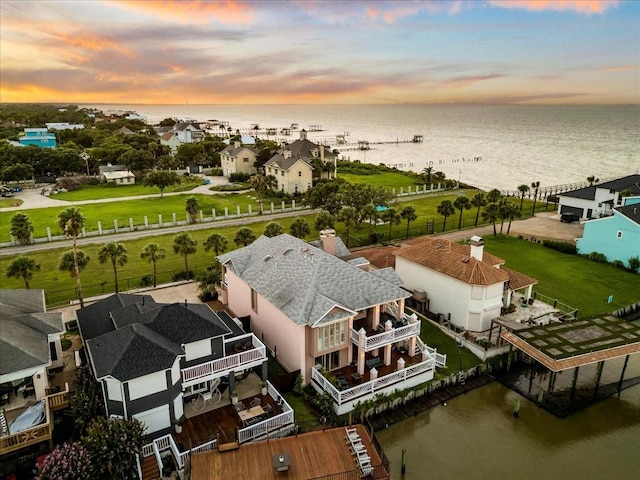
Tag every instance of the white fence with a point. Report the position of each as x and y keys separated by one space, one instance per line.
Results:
x=385 y=338
x=166 y=442
x=277 y=426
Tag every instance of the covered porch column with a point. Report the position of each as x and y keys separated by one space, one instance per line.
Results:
x=375 y=316
x=386 y=355
x=529 y=291
x=362 y=339
x=400 y=309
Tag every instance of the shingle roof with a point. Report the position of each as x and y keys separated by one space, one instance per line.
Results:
x=630 y=182
x=442 y=256
x=24 y=330
x=285 y=163
x=233 y=150
x=95 y=319
x=586 y=193
x=632 y=212
x=305 y=282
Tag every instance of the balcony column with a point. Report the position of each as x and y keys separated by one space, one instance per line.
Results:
x=529 y=290
x=232 y=383
x=386 y=355
x=400 y=309
x=375 y=321
x=362 y=340
x=412 y=346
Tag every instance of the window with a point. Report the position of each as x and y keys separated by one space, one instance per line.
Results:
x=53 y=351
x=619 y=234
x=330 y=361
x=245 y=160
x=283 y=173
x=332 y=335
x=254 y=300
x=299 y=173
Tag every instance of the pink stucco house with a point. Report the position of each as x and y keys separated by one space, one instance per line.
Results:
x=321 y=311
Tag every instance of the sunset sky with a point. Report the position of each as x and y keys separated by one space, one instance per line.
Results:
x=312 y=51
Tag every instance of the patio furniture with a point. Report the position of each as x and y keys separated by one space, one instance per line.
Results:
x=281 y=462
x=239 y=407
x=373 y=362
x=342 y=381
x=238 y=347
x=255 y=402
x=249 y=415
x=268 y=409
x=356 y=378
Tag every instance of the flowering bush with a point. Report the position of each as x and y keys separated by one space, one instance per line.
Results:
x=69 y=461
x=86 y=399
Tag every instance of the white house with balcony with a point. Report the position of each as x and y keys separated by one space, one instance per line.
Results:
x=152 y=360
x=341 y=325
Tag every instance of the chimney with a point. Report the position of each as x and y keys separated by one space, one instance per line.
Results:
x=303 y=134
x=286 y=153
x=237 y=144
x=328 y=240
x=477 y=247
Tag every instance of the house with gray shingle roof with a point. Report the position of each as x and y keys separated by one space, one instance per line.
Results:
x=320 y=313
x=153 y=361
x=238 y=158
x=29 y=339
x=292 y=174
x=600 y=199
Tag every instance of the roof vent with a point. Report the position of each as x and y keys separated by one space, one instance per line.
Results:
x=438 y=245
x=304 y=249
x=465 y=259
x=287 y=251
x=267 y=258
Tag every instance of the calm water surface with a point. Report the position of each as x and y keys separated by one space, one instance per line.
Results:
x=476 y=437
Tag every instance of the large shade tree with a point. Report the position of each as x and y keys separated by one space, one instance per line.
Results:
x=23 y=267
x=21 y=228
x=185 y=245
x=71 y=222
x=152 y=253
x=446 y=209
x=117 y=254
x=161 y=180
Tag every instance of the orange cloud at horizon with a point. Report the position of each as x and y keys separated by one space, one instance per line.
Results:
x=581 y=6
x=195 y=11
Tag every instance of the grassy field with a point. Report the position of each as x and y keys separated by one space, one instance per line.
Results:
x=571 y=279
x=9 y=202
x=111 y=190
x=385 y=179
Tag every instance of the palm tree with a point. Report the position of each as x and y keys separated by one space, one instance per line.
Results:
x=261 y=184
x=523 y=191
x=73 y=262
x=461 y=203
x=299 y=228
x=493 y=196
x=192 y=207
x=370 y=212
x=478 y=201
x=446 y=209
x=408 y=213
x=23 y=267
x=347 y=215
x=490 y=214
x=184 y=244
x=117 y=253
x=592 y=179
x=324 y=220
x=511 y=214
x=428 y=174
x=21 y=228
x=392 y=216
x=153 y=252
x=535 y=185
x=216 y=242
x=244 y=237
x=272 y=229
x=71 y=222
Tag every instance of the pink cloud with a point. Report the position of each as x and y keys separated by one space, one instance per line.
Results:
x=194 y=11
x=588 y=7
x=620 y=68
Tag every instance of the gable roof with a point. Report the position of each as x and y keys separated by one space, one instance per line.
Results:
x=630 y=182
x=305 y=282
x=25 y=327
x=285 y=163
x=178 y=127
x=234 y=151
x=632 y=212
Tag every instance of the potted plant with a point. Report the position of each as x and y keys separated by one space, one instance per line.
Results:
x=263 y=387
x=177 y=426
x=234 y=398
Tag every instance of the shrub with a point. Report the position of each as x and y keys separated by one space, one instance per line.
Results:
x=215 y=172
x=146 y=281
x=66 y=461
x=634 y=264
x=181 y=276
x=239 y=177
x=618 y=264
x=297 y=386
x=598 y=257
x=564 y=247
x=74 y=183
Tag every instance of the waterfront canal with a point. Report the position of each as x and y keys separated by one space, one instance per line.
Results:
x=475 y=436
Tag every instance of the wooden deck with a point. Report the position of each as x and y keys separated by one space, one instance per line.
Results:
x=223 y=422
x=382 y=369
x=314 y=454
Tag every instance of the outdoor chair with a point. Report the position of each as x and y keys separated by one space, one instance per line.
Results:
x=268 y=409
x=255 y=402
x=240 y=407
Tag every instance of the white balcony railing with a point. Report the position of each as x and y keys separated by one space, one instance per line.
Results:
x=441 y=359
x=276 y=426
x=221 y=367
x=385 y=338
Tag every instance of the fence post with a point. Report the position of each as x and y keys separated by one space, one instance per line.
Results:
x=173 y=215
x=115 y=224
x=160 y=220
x=99 y=227
x=49 y=233
x=146 y=222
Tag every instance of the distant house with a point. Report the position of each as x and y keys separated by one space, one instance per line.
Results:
x=292 y=174
x=40 y=137
x=616 y=236
x=238 y=158
x=188 y=132
x=29 y=341
x=118 y=174
x=152 y=360
x=311 y=153
x=170 y=140
x=462 y=282
x=125 y=131
x=598 y=200
x=321 y=313
x=64 y=126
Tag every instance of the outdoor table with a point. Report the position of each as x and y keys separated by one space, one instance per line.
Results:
x=250 y=413
x=281 y=462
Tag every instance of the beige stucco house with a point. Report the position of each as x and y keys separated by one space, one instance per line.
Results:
x=293 y=175
x=238 y=158
x=342 y=326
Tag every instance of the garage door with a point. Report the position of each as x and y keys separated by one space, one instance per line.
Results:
x=569 y=209
x=155 y=419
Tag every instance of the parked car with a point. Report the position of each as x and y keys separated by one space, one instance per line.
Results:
x=569 y=217
x=7 y=192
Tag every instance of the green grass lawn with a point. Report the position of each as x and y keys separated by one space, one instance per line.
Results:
x=389 y=180
x=111 y=190
x=9 y=202
x=571 y=279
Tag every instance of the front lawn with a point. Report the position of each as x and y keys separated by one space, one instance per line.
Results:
x=111 y=190
x=571 y=279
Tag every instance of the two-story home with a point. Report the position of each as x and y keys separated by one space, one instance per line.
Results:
x=40 y=137
x=29 y=341
x=462 y=282
x=188 y=132
x=598 y=200
x=292 y=174
x=238 y=158
x=342 y=326
x=153 y=359
x=312 y=153
x=616 y=236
